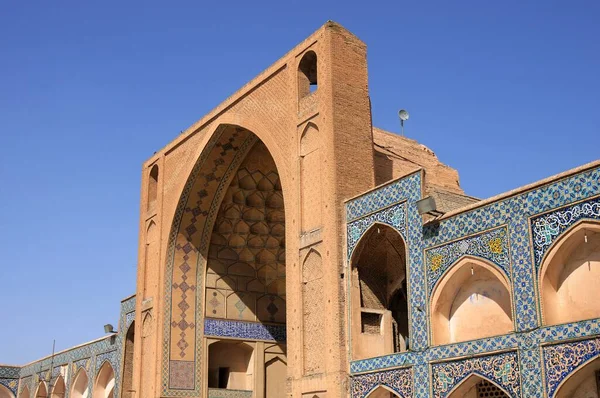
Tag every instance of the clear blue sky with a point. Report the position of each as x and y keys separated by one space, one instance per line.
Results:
x=506 y=92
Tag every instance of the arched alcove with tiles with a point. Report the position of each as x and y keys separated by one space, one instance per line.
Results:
x=80 y=386
x=105 y=382
x=59 y=389
x=476 y=386
x=379 y=293
x=584 y=382
x=5 y=392
x=472 y=300
x=570 y=276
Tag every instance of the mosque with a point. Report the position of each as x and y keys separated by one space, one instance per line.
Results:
x=289 y=249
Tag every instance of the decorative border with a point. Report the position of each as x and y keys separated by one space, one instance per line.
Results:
x=502 y=369
x=490 y=245
x=562 y=360
x=244 y=330
x=398 y=380
x=548 y=227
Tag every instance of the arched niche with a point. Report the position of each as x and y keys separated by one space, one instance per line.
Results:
x=311 y=165
x=25 y=393
x=380 y=317
x=5 y=392
x=151 y=261
x=584 y=382
x=275 y=375
x=382 y=392
x=127 y=379
x=476 y=386
x=307 y=74
x=80 y=385
x=152 y=187
x=570 y=276
x=230 y=366
x=313 y=298
x=472 y=300
x=105 y=382
x=42 y=390
x=59 y=389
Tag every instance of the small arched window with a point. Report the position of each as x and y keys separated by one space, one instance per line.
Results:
x=307 y=74
x=152 y=187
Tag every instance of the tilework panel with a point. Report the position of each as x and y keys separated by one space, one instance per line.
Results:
x=244 y=330
x=502 y=369
x=397 y=380
x=221 y=393
x=11 y=384
x=491 y=245
x=550 y=208
x=547 y=227
x=562 y=360
x=9 y=372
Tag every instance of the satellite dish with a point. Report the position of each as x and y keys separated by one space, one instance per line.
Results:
x=403 y=114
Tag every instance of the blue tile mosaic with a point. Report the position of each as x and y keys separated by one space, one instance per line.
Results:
x=399 y=381
x=512 y=233
x=244 y=330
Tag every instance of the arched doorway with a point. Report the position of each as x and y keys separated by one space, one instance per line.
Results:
x=42 y=391
x=80 y=387
x=105 y=382
x=59 y=388
x=379 y=294
x=127 y=380
x=5 y=392
x=583 y=383
x=230 y=366
x=471 y=301
x=570 y=276
x=476 y=386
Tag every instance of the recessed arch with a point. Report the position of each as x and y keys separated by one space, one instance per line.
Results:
x=105 y=382
x=583 y=382
x=275 y=375
x=307 y=74
x=475 y=386
x=152 y=187
x=231 y=365
x=382 y=391
x=379 y=293
x=471 y=300
x=128 y=359
x=59 y=389
x=80 y=386
x=42 y=390
x=570 y=274
x=25 y=393
x=5 y=392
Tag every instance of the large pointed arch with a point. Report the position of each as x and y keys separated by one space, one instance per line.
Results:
x=220 y=157
x=379 y=293
x=59 y=389
x=476 y=385
x=80 y=385
x=472 y=299
x=570 y=274
x=5 y=392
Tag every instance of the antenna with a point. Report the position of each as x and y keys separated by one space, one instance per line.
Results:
x=403 y=115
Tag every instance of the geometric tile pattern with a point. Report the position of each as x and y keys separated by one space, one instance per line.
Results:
x=11 y=384
x=186 y=252
x=491 y=245
x=220 y=393
x=561 y=360
x=502 y=369
x=526 y=223
x=397 y=380
x=547 y=227
x=244 y=330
